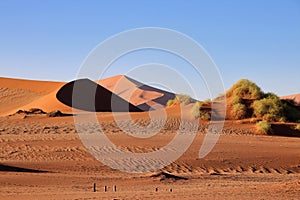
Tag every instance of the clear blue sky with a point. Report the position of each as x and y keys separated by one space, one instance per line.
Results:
x=258 y=40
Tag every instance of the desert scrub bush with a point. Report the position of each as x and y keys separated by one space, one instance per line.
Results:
x=271 y=118
x=297 y=127
x=205 y=115
x=245 y=88
x=235 y=100
x=181 y=98
x=254 y=120
x=282 y=119
x=238 y=111
x=270 y=109
x=263 y=127
x=270 y=95
x=185 y=99
x=196 y=109
x=198 y=113
x=291 y=113
x=171 y=102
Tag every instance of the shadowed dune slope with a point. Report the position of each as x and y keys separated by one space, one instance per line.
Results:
x=85 y=94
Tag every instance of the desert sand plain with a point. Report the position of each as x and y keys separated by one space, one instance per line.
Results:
x=42 y=157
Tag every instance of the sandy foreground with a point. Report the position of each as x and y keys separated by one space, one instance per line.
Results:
x=43 y=158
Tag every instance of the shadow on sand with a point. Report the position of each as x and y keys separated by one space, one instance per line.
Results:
x=8 y=168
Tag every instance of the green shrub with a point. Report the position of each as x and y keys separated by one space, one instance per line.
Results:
x=282 y=119
x=181 y=98
x=254 y=120
x=198 y=105
x=291 y=112
x=235 y=100
x=170 y=102
x=185 y=99
x=245 y=89
x=238 y=111
x=297 y=127
x=270 y=95
x=263 y=127
x=270 y=109
x=196 y=110
x=197 y=113
x=205 y=115
x=271 y=118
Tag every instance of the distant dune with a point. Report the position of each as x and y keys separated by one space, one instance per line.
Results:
x=17 y=94
x=295 y=97
x=143 y=96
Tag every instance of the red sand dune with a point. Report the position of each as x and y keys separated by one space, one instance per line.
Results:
x=137 y=93
x=17 y=94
